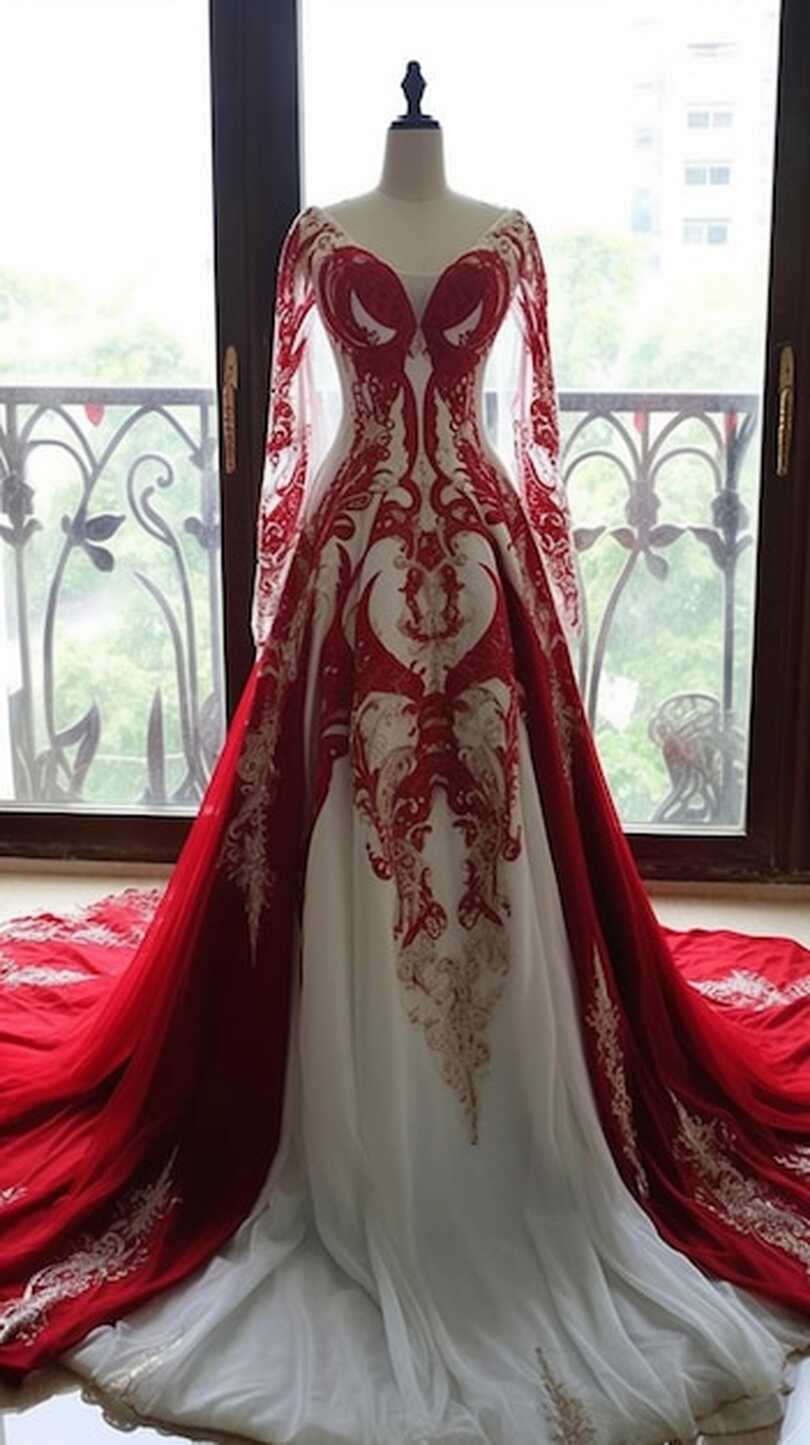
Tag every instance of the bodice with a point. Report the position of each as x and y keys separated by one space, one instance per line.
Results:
x=412 y=343
x=411 y=352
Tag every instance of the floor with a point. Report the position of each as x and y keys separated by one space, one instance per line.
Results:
x=64 y=1419
x=50 y=1410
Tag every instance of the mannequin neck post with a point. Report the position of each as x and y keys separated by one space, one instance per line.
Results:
x=413 y=165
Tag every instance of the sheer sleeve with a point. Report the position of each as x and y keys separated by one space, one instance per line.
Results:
x=536 y=435
x=294 y=432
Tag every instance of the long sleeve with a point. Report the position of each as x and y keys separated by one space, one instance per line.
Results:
x=288 y=462
x=537 y=436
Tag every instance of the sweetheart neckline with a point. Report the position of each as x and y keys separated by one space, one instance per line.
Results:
x=475 y=245
x=433 y=277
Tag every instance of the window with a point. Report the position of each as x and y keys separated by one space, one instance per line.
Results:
x=689 y=549
x=700 y=232
x=111 y=544
x=717 y=233
x=649 y=334
x=703 y=173
x=643 y=211
x=702 y=117
x=124 y=589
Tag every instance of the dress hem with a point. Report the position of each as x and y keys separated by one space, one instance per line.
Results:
x=122 y=1416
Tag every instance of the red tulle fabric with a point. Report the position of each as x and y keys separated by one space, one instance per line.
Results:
x=143 y=1044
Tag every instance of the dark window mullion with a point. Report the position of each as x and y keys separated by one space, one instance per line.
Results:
x=776 y=842
x=256 y=183
x=779 y=747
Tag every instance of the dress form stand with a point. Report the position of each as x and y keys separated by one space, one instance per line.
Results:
x=412 y=218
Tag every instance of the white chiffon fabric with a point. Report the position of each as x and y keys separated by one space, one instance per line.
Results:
x=394 y=1284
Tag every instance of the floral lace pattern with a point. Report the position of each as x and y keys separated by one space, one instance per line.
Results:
x=798 y=1161
x=407 y=747
x=432 y=710
x=123 y=1248
x=738 y=1199
x=743 y=989
x=90 y=924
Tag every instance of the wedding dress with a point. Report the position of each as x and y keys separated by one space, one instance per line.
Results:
x=398 y=1117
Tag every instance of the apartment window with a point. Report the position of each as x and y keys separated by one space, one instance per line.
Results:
x=642 y=218
x=705 y=233
x=702 y=117
x=717 y=233
x=707 y=174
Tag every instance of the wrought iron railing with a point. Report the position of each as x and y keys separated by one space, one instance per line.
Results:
x=643 y=438
x=103 y=483
x=118 y=450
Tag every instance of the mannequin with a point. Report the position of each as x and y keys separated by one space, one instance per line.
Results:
x=412 y=219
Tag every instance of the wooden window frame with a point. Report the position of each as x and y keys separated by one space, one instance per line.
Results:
x=255 y=69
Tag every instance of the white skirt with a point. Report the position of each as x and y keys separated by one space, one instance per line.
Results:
x=396 y=1283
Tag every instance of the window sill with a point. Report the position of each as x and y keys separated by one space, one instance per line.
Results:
x=29 y=884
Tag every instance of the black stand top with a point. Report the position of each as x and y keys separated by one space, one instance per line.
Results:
x=414 y=88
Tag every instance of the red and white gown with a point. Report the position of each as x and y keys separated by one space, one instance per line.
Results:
x=403 y=1120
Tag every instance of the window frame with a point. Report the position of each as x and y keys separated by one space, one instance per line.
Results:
x=256 y=159
x=776 y=844
x=255 y=181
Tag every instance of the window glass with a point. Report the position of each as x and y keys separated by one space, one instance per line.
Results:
x=111 y=691
x=657 y=315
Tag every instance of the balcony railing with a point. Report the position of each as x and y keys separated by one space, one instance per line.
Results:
x=111 y=542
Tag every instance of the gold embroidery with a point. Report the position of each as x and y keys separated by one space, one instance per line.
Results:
x=798 y=1161
x=244 y=852
x=244 y=849
x=742 y=1202
x=451 y=998
x=454 y=1009
x=744 y=989
x=120 y=1383
x=123 y=1248
x=567 y=1415
x=603 y=1017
